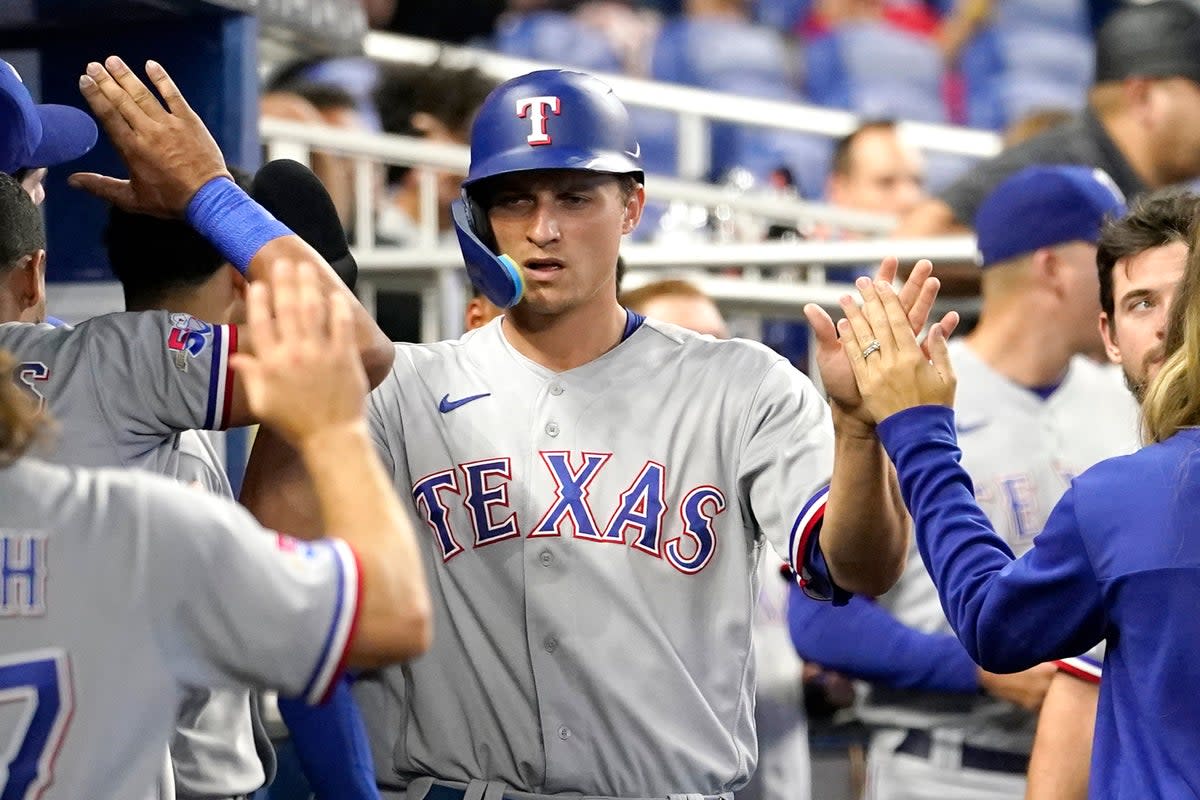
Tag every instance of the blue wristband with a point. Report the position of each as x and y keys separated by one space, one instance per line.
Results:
x=235 y=224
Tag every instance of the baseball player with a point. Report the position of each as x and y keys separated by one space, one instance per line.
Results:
x=595 y=490
x=122 y=386
x=121 y=588
x=1032 y=412
x=126 y=389
x=1114 y=562
x=220 y=748
x=38 y=135
x=1142 y=258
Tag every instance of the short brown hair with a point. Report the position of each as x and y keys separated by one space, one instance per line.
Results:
x=637 y=299
x=20 y=419
x=843 y=150
x=1153 y=221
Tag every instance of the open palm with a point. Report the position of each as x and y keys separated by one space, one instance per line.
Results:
x=916 y=296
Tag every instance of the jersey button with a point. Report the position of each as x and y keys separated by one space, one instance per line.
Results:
x=551 y=644
x=552 y=428
x=564 y=733
x=547 y=558
x=557 y=388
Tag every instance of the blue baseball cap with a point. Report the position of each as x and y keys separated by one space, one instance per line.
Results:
x=33 y=135
x=1042 y=206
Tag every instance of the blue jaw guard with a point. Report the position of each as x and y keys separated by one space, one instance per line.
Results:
x=497 y=277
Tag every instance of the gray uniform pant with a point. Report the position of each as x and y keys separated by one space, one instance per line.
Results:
x=900 y=776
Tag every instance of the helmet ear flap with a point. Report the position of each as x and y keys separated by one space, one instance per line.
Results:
x=497 y=277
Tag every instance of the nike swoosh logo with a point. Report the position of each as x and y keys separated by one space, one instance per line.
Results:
x=970 y=428
x=447 y=405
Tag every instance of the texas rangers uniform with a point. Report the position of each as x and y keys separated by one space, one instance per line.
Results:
x=592 y=540
x=125 y=390
x=1021 y=451
x=119 y=589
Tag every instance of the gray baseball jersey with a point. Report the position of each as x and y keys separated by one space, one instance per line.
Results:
x=123 y=390
x=219 y=745
x=591 y=540
x=118 y=589
x=1021 y=452
x=121 y=386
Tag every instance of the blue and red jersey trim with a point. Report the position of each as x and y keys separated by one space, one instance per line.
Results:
x=1082 y=667
x=335 y=650
x=220 y=383
x=808 y=522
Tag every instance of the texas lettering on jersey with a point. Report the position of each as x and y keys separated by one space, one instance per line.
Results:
x=637 y=517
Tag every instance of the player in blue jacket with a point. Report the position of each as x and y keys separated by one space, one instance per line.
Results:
x=1116 y=561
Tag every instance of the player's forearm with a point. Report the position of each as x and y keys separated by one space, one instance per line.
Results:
x=1062 y=750
x=374 y=346
x=865 y=533
x=862 y=640
x=276 y=488
x=359 y=505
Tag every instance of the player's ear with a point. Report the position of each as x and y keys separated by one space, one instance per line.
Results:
x=1110 y=339
x=32 y=276
x=634 y=206
x=1047 y=268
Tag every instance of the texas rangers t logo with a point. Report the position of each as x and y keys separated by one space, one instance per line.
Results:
x=534 y=109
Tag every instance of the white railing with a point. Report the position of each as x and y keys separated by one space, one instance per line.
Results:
x=432 y=268
x=696 y=108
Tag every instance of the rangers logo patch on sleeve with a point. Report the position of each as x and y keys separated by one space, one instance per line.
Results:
x=187 y=338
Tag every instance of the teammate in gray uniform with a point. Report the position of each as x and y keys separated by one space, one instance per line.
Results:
x=1142 y=258
x=122 y=386
x=121 y=588
x=596 y=491
x=1032 y=412
x=220 y=748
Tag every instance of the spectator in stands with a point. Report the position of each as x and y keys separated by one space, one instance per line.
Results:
x=436 y=103
x=874 y=169
x=37 y=136
x=1141 y=124
x=1034 y=124
x=336 y=108
x=335 y=172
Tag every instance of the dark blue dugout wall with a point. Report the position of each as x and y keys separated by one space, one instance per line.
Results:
x=211 y=53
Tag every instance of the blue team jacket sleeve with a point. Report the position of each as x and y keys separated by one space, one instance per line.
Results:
x=863 y=640
x=331 y=743
x=1010 y=615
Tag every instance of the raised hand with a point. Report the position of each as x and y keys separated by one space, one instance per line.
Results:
x=893 y=372
x=916 y=297
x=305 y=376
x=169 y=152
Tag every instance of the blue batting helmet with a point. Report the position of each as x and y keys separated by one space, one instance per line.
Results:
x=550 y=119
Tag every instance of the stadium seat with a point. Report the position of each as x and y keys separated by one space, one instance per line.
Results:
x=557 y=38
x=782 y=15
x=718 y=53
x=731 y=56
x=1033 y=56
x=877 y=70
